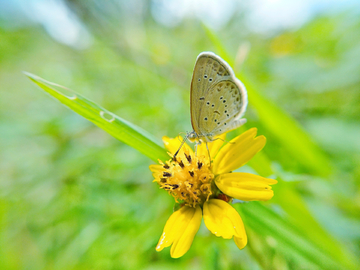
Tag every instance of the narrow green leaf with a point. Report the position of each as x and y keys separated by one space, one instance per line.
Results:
x=288 y=239
x=298 y=212
x=121 y=129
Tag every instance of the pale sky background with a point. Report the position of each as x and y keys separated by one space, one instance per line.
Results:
x=263 y=16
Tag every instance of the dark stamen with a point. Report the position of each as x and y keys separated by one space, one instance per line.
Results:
x=199 y=165
x=188 y=157
x=166 y=174
x=166 y=166
x=163 y=180
x=191 y=173
x=181 y=164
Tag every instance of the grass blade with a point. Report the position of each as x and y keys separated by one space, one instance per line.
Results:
x=119 y=128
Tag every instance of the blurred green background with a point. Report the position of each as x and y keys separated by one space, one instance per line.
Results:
x=73 y=197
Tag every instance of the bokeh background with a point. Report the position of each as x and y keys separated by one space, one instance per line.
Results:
x=73 y=197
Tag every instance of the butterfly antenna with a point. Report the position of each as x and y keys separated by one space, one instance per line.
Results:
x=180 y=136
x=182 y=143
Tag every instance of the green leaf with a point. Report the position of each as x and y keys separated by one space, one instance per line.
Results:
x=284 y=237
x=121 y=129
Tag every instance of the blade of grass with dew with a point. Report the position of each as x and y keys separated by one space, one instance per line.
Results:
x=119 y=128
x=279 y=123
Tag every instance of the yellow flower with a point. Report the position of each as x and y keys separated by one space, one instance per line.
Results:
x=204 y=189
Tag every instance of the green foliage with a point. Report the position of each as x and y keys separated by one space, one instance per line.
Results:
x=71 y=197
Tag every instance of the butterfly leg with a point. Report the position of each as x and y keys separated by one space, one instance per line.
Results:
x=196 y=146
x=207 y=147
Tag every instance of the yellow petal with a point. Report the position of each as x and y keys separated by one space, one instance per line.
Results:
x=157 y=171
x=156 y=168
x=238 y=152
x=214 y=146
x=180 y=230
x=223 y=220
x=246 y=186
x=240 y=242
x=174 y=144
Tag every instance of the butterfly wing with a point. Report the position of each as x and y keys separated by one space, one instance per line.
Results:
x=225 y=104
x=218 y=99
x=209 y=69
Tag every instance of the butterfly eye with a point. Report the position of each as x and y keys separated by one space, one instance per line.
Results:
x=205 y=76
x=224 y=101
x=210 y=80
x=213 y=105
x=205 y=118
x=208 y=103
x=221 y=97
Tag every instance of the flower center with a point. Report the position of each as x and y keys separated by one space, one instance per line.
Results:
x=187 y=178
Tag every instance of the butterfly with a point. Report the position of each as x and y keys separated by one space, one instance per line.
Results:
x=218 y=99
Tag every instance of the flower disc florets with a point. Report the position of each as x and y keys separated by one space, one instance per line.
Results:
x=187 y=178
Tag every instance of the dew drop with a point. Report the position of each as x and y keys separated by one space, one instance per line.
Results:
x=66 y=92
x=107 y=116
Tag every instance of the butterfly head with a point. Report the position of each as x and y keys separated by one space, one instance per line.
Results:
x=192 y=136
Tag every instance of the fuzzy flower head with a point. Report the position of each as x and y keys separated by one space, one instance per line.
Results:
x=204 y=189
